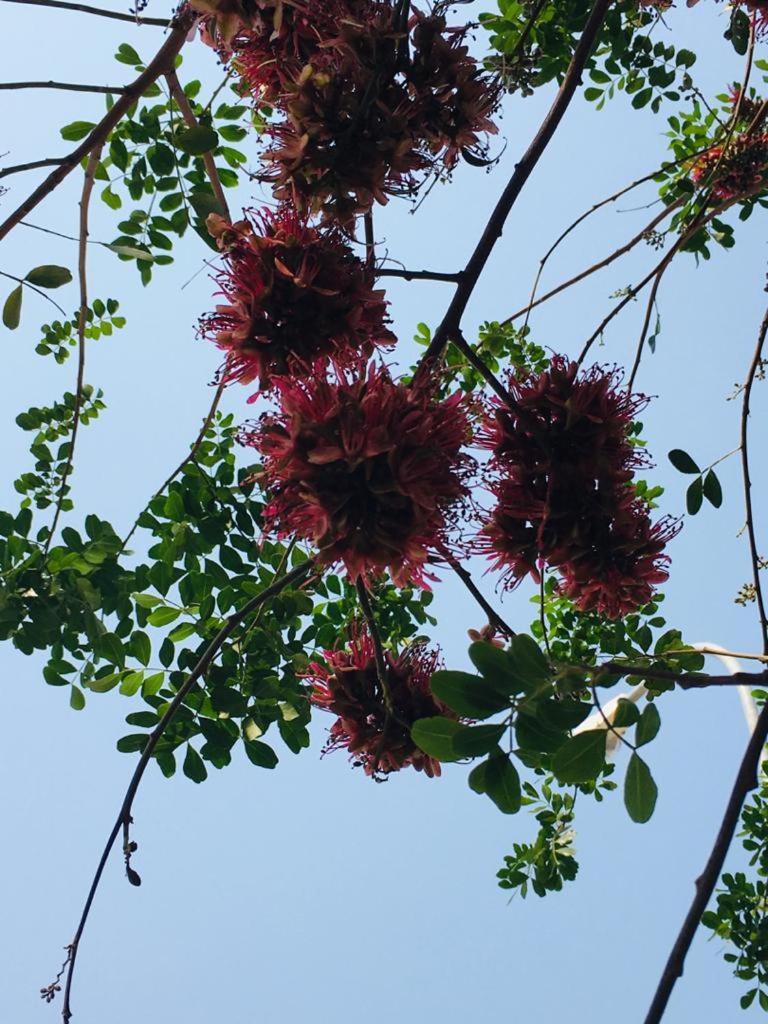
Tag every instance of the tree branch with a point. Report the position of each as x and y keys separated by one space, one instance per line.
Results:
x=52 y=161
x=67 y=86
x=523 y=170
x=418 y=275
x=124 y=815
x=182 y=102
x=134 y=19
x=746 y=781
x=82 y=323
x=161 y=63
x=755 y=558
x=494 y=619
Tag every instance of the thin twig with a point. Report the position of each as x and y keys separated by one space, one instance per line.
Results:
x=182 y=102
x=134 y=19
x=494 y=619
x=746 y=781
x=33 y=165
x=646 y=325
x=523 y=170
x=38 y=291
x=68 y=86
x=160 y=64
x=82 y=323
x=378 y=648
x=418 y=275
x=124 y=815
x=600 y=265
x=755 y=558
x=187 y=458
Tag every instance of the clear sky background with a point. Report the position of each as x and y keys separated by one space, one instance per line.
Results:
x=310 y=893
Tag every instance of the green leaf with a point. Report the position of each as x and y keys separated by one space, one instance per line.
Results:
x=76 y=698
x=77 y=130
x=502 y=784
x=49 y=276
x=468 y=695
x=627 y=713
x=105 y=683
x=694 y=496
x=197 y=140
x=648 y=726
x=127 y=55
x=132 y=744
x=130 y=251
x=163 y=616
x=640 y=791
x=131 y=684
x=713 y=492
x=581 y=758
x=12 y=309
x=536 y=736
x=435 y=737
x=474 y=740
x=260 y=754
x=147 y=600
x=529 y=662
x=498 y=667
x=682 y=461
x=193 y=766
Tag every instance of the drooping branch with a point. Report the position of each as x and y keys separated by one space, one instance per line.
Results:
x=523 y=170
x=746 y=781
x=745 y=472
x=124 y=815
x=182 y=102
x=646 y=325
x=134 y=19
x=82 y=323
x=67 y=86
x=160 y=64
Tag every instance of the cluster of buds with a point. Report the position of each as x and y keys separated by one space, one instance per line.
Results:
x=296 y=298
x=375 y=726
x=562 y=464
x=369 y=471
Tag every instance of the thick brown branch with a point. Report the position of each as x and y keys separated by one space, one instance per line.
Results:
x=124 y=815
x=134 y=19
x=746 y=780
x=745 y=472
x=67 y=86
x=523 y=170
x=162 y=62
x=182 y=102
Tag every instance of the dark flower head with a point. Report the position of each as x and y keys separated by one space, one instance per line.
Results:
x=561 y=467
x=370 y=471
x=296 y=297
x=620 y=562
x=740 y=172
x=374 y=110
x=378 y=739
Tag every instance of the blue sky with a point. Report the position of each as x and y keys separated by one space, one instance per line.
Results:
x=309 y=891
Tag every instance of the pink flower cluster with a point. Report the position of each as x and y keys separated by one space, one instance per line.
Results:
x=296 y=299
x=562 y=465
x=368 y=470
x=377 y=736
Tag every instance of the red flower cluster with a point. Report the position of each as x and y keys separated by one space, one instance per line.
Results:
x=368 y=470
x=743 y=168
x=295 y=296
x=378 y=740
x=563 y=463
x=367 y=104
x=377 y=107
